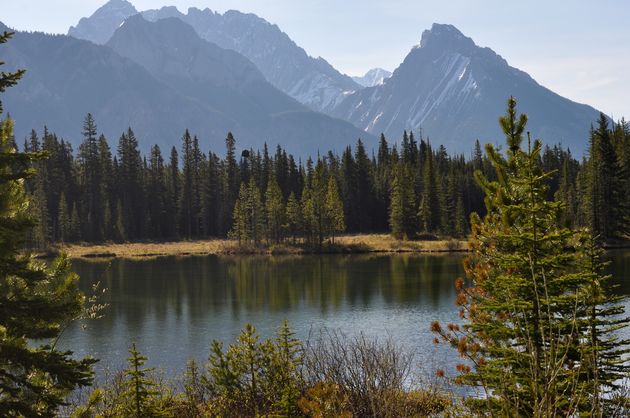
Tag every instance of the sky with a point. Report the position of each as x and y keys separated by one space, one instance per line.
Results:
x=579 y=49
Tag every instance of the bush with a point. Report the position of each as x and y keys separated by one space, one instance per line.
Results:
x=370 y=378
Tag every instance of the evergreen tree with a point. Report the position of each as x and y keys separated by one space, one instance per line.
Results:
x=90 y=179
x=606 y=208
x=156 y=194
x=239 y=215
x=232 y=177
x=334 y=209
x=36 y=299
x=402 y=217
x=294 y=216
x=255 y=214
x=534 y=315
x=131 y=192
x=275 y=210
x=140 y=388
x=186 y=200
x=173 y=192
x=429 y=213
x=65 y=228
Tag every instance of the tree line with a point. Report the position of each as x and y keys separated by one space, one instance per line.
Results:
x=408 y=188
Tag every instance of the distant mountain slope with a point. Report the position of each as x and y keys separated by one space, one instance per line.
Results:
x=197 y=85
x=99 y=27
x=66 y=78
x=374 y=77
x=311 y=81
x=454 y=91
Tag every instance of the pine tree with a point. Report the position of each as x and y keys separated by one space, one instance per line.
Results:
x=156 y=194
x=186 y=199
x=255 y=214
x=294 y=216
x=90 y=179
x=533 y=313
x=107 y=193
x=239 y=225
x=173 y=192
x=37 y=300
x=402 y=217
x=65 y=228
x=275 y=211
x=430 y=210
x=333 y=207
x=140 y=388
x=232 y=177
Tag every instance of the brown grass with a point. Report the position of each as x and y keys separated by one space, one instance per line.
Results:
x=344 y=244
x=387 y=243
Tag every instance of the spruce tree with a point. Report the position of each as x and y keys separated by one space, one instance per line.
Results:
x=334 y=209
x=140 y=392
x=90 y=179
x=402 y=216
x=536 y=319
x=275 y=211
x=294 y=216
x=36 y=300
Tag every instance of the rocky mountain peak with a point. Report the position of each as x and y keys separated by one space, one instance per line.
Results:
x=445 y=37
x=99 y=27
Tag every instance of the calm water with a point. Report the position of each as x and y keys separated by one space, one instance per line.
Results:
x=174 y=307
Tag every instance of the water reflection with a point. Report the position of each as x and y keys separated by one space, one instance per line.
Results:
x=173 y=307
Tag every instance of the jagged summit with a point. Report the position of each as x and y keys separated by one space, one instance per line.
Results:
x=453 y=89
x=99 y=27
x=163 y=13
x=445 y=37
x=311 y=81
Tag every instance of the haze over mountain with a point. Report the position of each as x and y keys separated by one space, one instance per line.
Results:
x=373 y=77
x=311 y=81
x=177 y=81
x=454 y=91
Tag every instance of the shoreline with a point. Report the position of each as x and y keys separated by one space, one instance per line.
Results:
x=347 y=244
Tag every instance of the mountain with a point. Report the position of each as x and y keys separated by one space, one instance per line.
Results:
x=454 y=91
x=179 y=81
x=311 y=81
x=374 y=77
x=99 y=27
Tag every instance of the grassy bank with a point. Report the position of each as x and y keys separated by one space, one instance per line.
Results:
x=345 y=244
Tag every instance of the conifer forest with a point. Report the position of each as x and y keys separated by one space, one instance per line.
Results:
x=106 y=191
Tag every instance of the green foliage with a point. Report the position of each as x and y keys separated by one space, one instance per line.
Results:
x=140 y=393
x=36 y=300
x=539 y=337
x=402 y=216
x=275 y=210
x=256 y=378
x=333 y=207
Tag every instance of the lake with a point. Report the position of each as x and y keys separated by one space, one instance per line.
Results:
x=172 y=308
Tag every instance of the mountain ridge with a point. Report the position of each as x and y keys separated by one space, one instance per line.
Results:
x=452 y=89
x=67 y=78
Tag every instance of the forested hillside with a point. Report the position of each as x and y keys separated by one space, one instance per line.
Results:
x=111 y=192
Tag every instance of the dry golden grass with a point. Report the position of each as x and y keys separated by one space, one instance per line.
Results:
x=147 y=249
x=387 y=243
x=344 y=244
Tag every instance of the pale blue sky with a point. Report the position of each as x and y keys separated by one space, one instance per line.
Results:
x=579 y=49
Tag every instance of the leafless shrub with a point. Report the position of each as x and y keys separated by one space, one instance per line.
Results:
x=375 y=375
